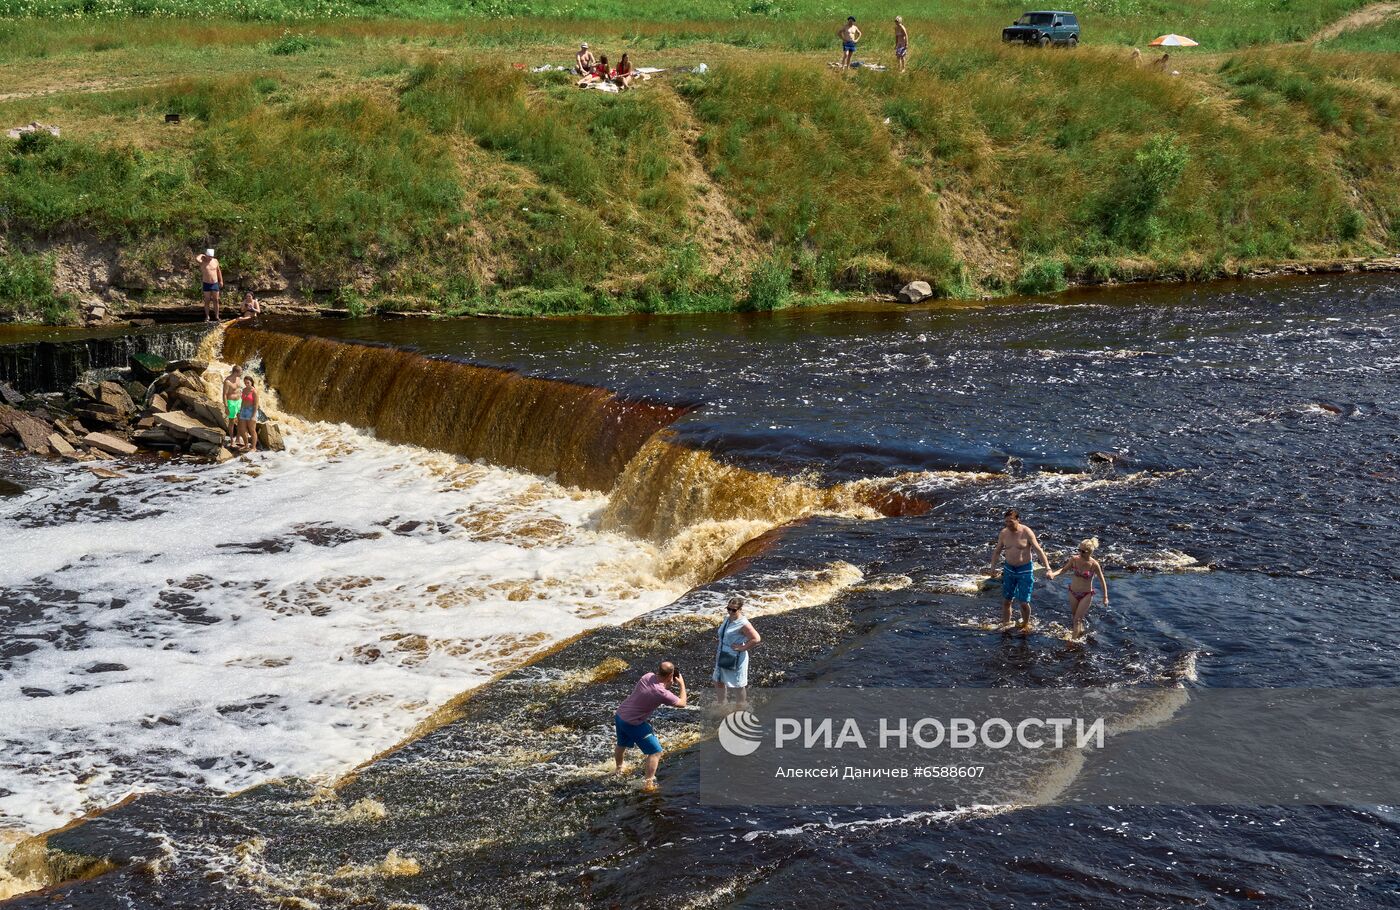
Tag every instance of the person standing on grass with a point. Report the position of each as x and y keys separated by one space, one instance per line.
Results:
x=211 y=277
x=1016 y=543
x=737 y=637
x=631 y=720
x=901 y=41
x=233 y=400
x=849 y=35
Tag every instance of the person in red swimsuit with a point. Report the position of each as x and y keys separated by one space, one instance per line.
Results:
x=1081 y=587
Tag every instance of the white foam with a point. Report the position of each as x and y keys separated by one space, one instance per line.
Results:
x=322 y=649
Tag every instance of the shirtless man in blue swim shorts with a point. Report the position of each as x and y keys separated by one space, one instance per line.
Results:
x=1016 y=543
x=849 y=35
x=211 y=280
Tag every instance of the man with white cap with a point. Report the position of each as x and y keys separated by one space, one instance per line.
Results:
x=211 y=276
x=583 y=60
x=901 y=42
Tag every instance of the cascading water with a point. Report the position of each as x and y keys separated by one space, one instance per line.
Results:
x=57 y=357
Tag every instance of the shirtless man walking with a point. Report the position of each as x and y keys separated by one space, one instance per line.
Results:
x=1016 y=543
x=901 y=41
x=211 y=277
x=849 y=36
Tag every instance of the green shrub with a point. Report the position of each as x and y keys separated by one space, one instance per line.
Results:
x=1144 y=185
x=1042 y=276
x=769 y=286
x=27 y=291
x=290 y=44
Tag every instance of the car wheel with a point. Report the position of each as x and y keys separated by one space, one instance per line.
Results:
x=1073 y=41
x=1044 y=40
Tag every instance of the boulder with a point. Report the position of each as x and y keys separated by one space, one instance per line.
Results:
x=157 y=404
x=189 y=366
x=270 y=437
x=147 y=367
x=86 y=390
x=9 y=396
x=204 y=448
x=115 y=396
x=110 y=444
x=97 y=416
x=915 y=291
x=223 y=455
x=60 y=446
x=137 y=391
x=145 y=423
x=185 y=426
x=201 y=407
x=155 y=438
x=32 y=433
x=65 y=430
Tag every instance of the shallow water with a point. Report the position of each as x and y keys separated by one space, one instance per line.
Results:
x=1247 y=525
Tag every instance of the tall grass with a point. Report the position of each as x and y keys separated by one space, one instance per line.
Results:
x=27 y=291
x=317 y=183
x=814 y=171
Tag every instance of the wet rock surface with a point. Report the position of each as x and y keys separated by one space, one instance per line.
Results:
x=170 y=415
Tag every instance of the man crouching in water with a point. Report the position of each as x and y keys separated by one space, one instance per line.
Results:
x=651 y=692
x=1015 y=543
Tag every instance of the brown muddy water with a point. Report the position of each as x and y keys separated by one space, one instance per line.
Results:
x=535 y=511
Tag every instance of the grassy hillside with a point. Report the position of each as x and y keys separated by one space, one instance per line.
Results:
x=411 y=164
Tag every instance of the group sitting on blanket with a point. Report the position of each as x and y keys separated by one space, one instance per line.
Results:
x=597 y=71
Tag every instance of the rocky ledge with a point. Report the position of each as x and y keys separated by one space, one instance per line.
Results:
x=155 y=407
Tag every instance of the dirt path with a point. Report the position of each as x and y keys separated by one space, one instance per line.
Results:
x=1371 y=14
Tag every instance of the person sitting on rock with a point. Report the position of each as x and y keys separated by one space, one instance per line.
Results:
x=251 y=308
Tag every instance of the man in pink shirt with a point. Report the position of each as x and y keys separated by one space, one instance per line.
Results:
x=652 y=691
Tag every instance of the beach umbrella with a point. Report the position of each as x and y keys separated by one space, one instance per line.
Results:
x=1172 y=41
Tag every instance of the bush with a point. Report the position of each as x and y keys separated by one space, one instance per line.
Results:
x=26 y=290
x=1144 y=184
x=1043 y=276
x=290 y=44
x=769 y=286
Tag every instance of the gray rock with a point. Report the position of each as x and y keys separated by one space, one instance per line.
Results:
x=60 y=446
x=186 y=366
x=110 y=444
x=114 y=396
x=202 y=408
x=32 y=433
x=270 y=437
x=9 y=396
x=915 y=291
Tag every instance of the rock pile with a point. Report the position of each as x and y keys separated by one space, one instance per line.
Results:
x=161 y=407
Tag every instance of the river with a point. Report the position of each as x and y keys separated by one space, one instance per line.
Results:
x=1234 y=446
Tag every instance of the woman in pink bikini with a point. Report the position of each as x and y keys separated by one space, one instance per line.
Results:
x=1081 y=587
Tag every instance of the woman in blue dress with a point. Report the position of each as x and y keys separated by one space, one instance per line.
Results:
x=737 y=637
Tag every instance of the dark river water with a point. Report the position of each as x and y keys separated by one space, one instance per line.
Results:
x=1248 y=517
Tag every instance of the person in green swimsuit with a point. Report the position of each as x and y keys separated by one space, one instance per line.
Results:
x=233 y=399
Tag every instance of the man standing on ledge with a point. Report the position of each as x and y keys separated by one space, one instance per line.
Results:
x=652 y=691
x=211 y=277
x=1016 y=543
x=849 y=36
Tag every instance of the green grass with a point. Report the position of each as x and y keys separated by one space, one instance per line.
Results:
x=1383 y=38
x=787 y=24
x=383 y=164
x=27 y=291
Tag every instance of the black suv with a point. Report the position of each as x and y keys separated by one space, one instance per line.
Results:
x=1044 y=28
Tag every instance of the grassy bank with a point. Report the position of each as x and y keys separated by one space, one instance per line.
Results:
x=409 y=164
